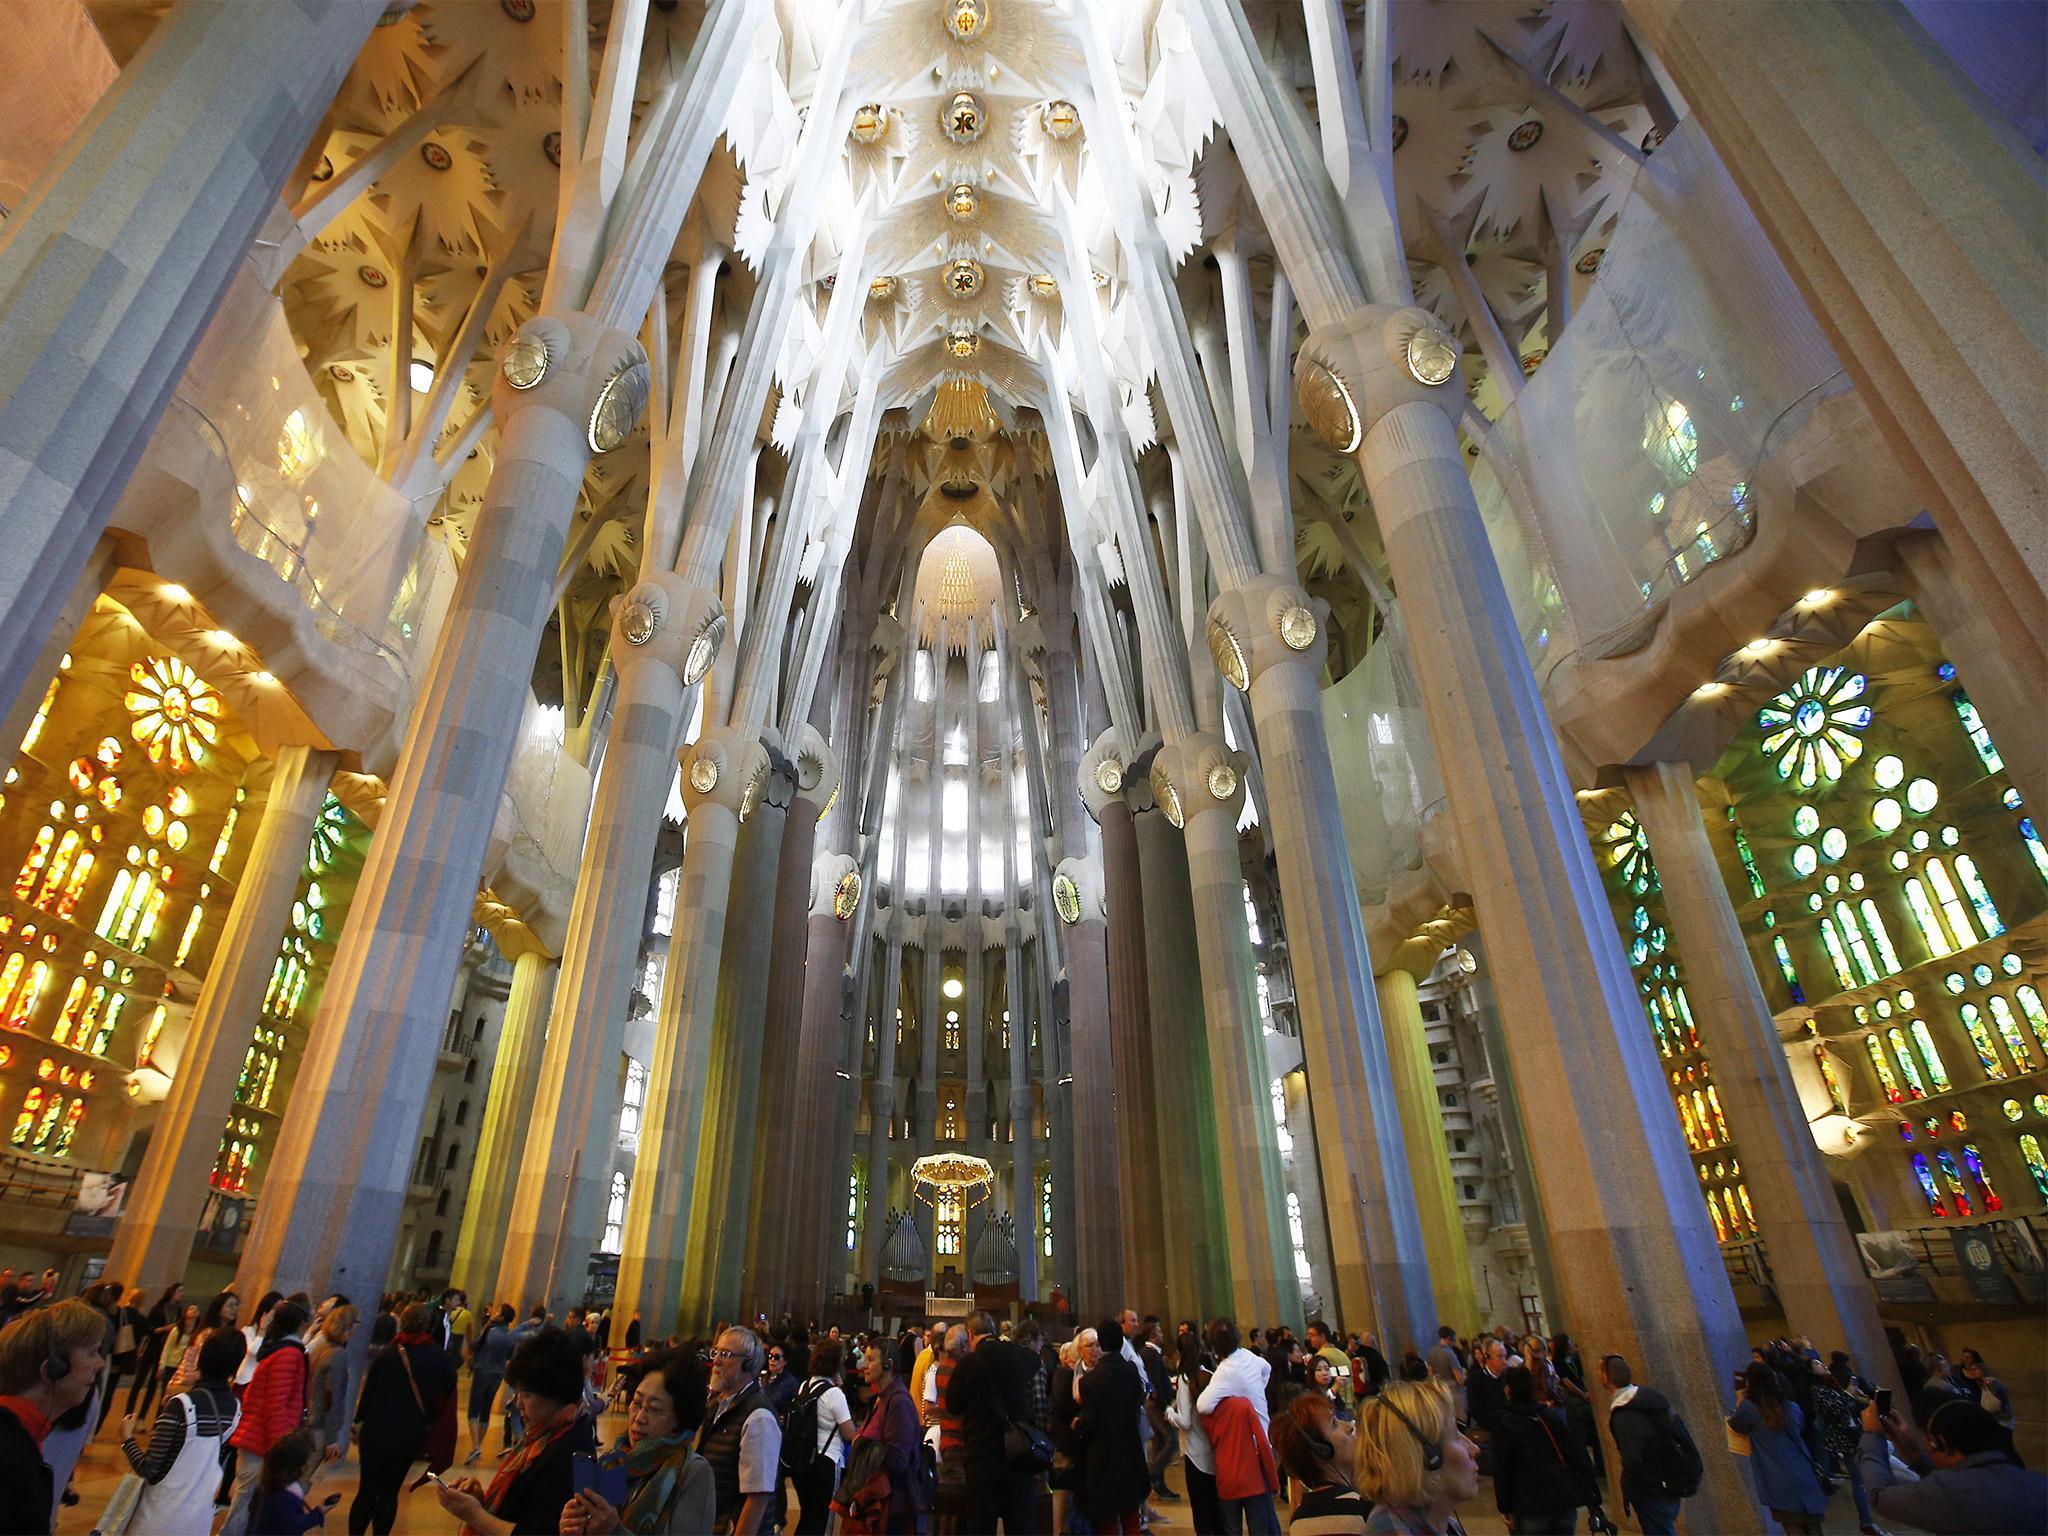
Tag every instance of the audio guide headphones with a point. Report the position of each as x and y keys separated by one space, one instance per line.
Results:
x=1432 y=1453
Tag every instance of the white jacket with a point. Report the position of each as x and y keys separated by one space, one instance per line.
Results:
x=1239 y=1374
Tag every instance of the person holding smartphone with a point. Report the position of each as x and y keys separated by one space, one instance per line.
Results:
x=653 y=1483
x=532 y=1484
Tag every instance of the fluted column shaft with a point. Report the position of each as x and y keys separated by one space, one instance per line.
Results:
x=1429 y=1162
x=816 y=1170
x=1023 y=1141
x=1376 y=1237
x=882 y=1105
x=1262 y=1276
x=1197 y=1265
x=777 y=1128
x=507 y=1117
x=1140 y=1185
x=154 y=1239
x=115 y=262
x=1815 y=1265
x=561 y=1160
x=1621 y=1251
x=338 y=1178
x=660 y=1204
x=1097 y=1233
x=725 y=1148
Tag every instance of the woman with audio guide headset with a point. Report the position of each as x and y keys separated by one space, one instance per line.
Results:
x=1319 y=1449
x=49 y=1362
x=1412 y=1462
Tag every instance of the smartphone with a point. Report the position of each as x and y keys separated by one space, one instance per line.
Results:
x=436 y=1479
x=1884 y=1402
x=604 y=1476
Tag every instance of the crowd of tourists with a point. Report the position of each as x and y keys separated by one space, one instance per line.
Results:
x=966 y=1425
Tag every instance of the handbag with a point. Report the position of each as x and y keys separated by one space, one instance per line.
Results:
x=1027 y=1448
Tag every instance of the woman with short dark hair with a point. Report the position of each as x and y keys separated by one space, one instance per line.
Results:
x=404 y=1391
x=532 y=1484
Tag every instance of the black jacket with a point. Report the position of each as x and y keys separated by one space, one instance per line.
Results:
x=1639 y=1427
x=388 y=1419
x=1114 y=1481
x=1540 y=1467
x=27 y=1488
x=1485 y=1397
x=994 y=1379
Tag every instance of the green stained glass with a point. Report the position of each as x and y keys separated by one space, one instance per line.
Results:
x=1784 y=956
x=2011 y=1109
x=1756 y=881
x=1980 y=1038
x=1936 y=1072
x=2037 y=1165
x=1885 y=1077
x=1886 y=815
x=1880 y=935
x=1980 y=896
x=1951 y=901
x=1924 y=918
x=2009 y=1031
x=1813 y=729
x=2037 y=1016
x=1908 y=1068
x=1832 y=943
x=1980 y=738
x=1852 y=934
x=1806 y=821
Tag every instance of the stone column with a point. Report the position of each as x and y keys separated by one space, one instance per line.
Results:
x=1814 y=1262
x=1637 y=1261
x=1140 y=1189
x=114 y=264
x=725 y=1150
x=1197 y=1265
x=813 y=1156
x=1095 y=1230
x=1429 y=1163
x=560 y=1162
x=1023 y=1140
x=2009 y=704
x=1856 y=142
x=1307 y=1179
x=882 y=1098
x=1203 y=780
x=337 y=1181
x=1269 y=640
x=772 y=1204
x=660 y=1203
x=507 y=1122
x=154 y=1240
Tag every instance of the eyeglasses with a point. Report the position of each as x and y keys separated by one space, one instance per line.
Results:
x=775 y=1357
x=727 y=1354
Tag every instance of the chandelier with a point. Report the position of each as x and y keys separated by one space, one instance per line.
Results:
x=968 y=1180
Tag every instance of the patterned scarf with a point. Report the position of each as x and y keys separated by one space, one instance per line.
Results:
x=654 y=1473
x=538 y=1439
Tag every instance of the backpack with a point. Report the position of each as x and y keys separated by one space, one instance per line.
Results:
x=862 y=1499
x=1673 y=1463
x=800 y=1430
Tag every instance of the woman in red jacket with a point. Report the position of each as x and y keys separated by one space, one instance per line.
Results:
x=273 y=1406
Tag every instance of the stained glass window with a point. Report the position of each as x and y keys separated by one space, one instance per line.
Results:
x=1980 y=1037
x=1974 y=1161
x=2035 y=851
x=1980 y=897
x=1885 y=1077
x=1831 y=941
x=1980 y=738
x=1045 y=1213
x=1833 y=1081
x=1714 y=1103
x=1936 y=937
x=1927 y=1186
x=1936 y=1072
x=1952 y=906
x=1952 y=1176
x=1907 y=1067
x=2009 y=1031
x=2037 y=1165
x=949 y=1220
x=1626 y=847
x=1880 y=936
x=1814 y=727
x=175 y=712
x=1859 y=951
x=1791 y=976
x=2037 y=1016
x=615 y=1213
x=1742 y=852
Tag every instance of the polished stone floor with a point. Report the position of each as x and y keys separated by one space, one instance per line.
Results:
x=420 y=1514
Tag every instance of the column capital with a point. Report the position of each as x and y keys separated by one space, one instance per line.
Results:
x=1077 y=891
x=720 y=765
x=665 y=621
x=1351 y=373
x=817 y=771
x=829 y=872
x=578 y=367
x=1197 y=775
x=1265 y=622
x=1105 y=773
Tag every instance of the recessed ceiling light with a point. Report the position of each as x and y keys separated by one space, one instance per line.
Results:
x=422 y=376
x=173 y=593
x=1817 y=595
x=1758 y=647
x=266 y=678
x=1707 y=690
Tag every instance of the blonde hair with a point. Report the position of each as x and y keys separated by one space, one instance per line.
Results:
x=1389 y=1465
x=47 y=1334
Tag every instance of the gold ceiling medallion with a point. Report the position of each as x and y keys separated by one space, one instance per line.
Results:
x=1043 y=285
x=1230 y=657
x=1062 y=120
x=963 y=119
x=846 y=895
x=966 y=19
x=1066 y=898
x=1298 y=627
x=963 y=344
x=881 y=287
x=963 y=202
x=1326 y=402
x=1222 y=781
x=963 y=278
x=1109 y=776
x=1432 y=356
x=870 y=122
